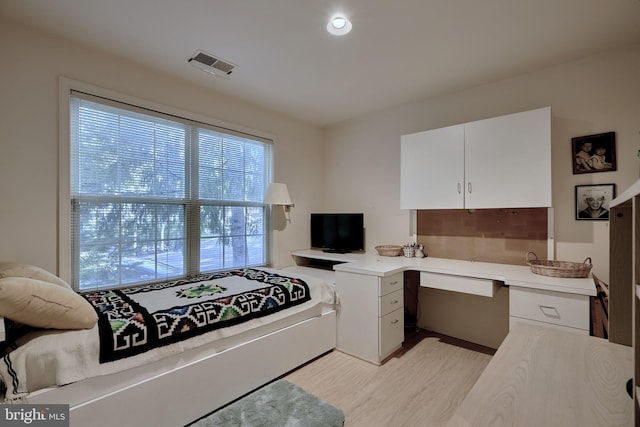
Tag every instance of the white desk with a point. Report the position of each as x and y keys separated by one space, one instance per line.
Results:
x=518 y=276
x=544 y=377
x=557 y=302
x=533 y=298
x=510 y=275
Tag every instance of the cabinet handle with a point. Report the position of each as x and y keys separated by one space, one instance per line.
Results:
x=395 y=301
x=469 y=187
x=459 y=188
x=394 y=321
x=395 y=282
x=549 y=311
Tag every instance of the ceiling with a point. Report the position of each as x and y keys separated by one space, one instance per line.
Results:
x=398 y=51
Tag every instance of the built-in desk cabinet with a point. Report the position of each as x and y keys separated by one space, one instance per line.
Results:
x=371 y=315
x=370 y=322
x=569 y=312
x=501 y=162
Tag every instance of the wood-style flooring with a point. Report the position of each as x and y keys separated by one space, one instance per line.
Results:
x=421 y=385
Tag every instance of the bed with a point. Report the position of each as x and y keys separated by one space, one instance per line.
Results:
x=178 y=381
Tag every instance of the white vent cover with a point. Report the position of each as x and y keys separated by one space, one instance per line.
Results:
x=211 y=64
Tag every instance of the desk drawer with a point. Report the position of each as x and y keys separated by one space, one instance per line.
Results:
x=514 y=320
x=467 y=285
x=550 y=307
x=391 y=283
x=391 y=302
x=391 y=333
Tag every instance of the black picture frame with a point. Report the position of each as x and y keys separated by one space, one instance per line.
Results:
x=600 y=195
x=594 y=153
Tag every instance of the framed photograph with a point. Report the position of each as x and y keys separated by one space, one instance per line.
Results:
x=592 y=201
x=594 y=153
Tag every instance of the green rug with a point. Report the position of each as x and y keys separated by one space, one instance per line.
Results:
x=280 y=403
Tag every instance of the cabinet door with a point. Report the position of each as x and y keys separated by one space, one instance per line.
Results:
x=358 y=315
x=432 y=169
x=508 y=161
x=391 y=328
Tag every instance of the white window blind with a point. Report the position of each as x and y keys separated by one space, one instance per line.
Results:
x=155 y=196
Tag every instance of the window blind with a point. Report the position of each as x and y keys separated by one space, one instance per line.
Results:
x=156 y=196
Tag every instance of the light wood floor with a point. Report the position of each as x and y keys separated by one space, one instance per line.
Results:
x=422 y=385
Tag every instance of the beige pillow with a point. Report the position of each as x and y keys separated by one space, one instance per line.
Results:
x=44 y=305
x=13 y=269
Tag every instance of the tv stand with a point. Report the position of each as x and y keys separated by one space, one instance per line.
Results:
x=320 y=263
x=311 y=256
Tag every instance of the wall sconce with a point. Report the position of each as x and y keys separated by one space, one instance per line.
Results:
x=278 y=194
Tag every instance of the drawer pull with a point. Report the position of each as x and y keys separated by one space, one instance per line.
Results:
x=549 y=311
x=395 y=282
x=395 y=301
x=394 y=321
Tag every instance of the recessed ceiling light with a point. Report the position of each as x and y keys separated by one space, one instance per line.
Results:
x=339 y=26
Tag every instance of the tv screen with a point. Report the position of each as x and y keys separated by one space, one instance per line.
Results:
x=337 y=232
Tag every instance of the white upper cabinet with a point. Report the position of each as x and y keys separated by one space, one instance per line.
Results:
x=432 y=169
x=508 y=161
x=502 y=162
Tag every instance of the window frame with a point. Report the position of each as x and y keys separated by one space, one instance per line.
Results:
x=66 y=87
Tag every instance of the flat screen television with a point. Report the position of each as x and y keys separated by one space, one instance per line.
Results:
x=337 y=232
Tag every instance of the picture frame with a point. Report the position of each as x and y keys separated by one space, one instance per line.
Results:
x=592 y=201
x=594 y=153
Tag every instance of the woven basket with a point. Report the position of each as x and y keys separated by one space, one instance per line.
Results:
x=558 y=268
x=389 y=250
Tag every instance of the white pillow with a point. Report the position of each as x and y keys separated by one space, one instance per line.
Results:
x=13 y=269
x=44 y=305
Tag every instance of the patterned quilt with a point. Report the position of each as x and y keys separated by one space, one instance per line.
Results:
x=134 y=320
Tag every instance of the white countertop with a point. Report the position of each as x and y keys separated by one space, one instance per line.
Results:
x=511 y=275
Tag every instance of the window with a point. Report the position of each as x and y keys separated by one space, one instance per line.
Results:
x=155 y=196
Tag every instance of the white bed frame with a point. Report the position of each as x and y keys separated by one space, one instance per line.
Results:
x=183 y=388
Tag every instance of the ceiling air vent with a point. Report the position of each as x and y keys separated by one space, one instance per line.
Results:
x=211 y=64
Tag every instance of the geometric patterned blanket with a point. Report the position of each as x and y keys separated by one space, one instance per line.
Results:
x=134 y=320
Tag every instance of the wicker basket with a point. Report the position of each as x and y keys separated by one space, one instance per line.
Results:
x=389 y=250
x=558 y=268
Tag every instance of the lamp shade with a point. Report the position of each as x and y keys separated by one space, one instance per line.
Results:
x=277 y=194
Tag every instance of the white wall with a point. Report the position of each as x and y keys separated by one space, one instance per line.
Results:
x=31 y=65
x=596 y=94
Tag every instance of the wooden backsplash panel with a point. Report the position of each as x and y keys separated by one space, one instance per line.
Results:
x=488 y=235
